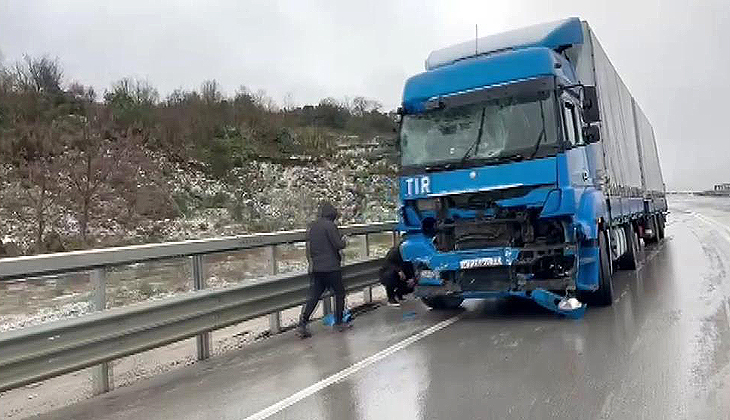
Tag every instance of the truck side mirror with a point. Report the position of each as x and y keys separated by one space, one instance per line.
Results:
x=591 y=134
x=590 y=105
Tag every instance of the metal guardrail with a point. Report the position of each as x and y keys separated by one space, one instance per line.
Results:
x=43 y=351
x=37 y=265
x=40 y=352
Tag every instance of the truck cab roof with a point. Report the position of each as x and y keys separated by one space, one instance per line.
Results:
x=504 y=58
x=482 y=72
x=553 y=35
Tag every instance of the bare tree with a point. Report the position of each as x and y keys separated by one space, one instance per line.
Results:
x=40 y=75
x=362 y=106
x=210 y=92
x=90 y=158
x=35 y=169
x=264 y=101
x=30 y=141
x=288 y=102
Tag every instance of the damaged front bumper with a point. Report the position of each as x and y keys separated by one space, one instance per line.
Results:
x=545 y=274
x=550 y=267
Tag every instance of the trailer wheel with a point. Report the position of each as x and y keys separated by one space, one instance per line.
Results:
x=443 y=302
x=604 y=295
x=630 y=260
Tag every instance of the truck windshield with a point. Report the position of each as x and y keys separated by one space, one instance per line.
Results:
x=501 y=128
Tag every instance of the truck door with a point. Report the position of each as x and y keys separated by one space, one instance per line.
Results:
x=578 y=169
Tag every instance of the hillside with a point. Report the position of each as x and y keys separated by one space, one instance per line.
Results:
x=79 y=171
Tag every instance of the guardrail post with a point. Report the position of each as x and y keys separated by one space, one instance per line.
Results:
x=101 y=375
x=366 y=245
x=202 y=340
x=274 y=259
x=275 y=317
x=367 y=293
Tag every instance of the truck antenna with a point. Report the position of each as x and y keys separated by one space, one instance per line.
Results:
x=476 y=39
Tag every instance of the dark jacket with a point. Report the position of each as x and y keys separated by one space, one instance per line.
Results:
x=394 y=261
x=324 y=241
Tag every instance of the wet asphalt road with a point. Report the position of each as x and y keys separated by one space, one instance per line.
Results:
x=662 y=351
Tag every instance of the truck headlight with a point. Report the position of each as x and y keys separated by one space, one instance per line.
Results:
x=429 y=278
x=427 y=204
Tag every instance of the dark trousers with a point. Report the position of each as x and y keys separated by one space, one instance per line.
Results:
x=394 y=285
x=319 y=282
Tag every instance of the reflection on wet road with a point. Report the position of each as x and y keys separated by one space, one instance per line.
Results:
x=661 y=351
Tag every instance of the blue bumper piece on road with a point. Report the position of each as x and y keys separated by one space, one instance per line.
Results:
x=544 y=298
x=549 y=300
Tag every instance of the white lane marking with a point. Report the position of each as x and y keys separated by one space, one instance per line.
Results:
x=725 y=234
x=714 y=222
x=605 y=407
x=344 y=373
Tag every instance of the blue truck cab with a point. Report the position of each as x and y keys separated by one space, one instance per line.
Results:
x=526 y=169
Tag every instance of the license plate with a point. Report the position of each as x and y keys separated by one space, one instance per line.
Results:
x=480 y=262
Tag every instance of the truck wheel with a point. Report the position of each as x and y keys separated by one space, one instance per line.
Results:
x=629 y=261
x=652 y=222
x=660 y=227
x=443 y=302
x=604 y=295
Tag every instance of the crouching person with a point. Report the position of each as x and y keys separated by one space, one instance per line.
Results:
x=397 y=276
x=324 y=244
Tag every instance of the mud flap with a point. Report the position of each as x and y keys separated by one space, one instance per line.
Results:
x=550 y=301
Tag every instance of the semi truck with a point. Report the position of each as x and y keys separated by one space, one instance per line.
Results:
x=527 y=169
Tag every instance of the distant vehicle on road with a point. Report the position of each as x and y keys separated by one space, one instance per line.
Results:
x=527 y=169
x=717 y=190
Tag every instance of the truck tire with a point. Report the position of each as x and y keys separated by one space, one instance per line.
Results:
x=660 y=227
x=443 y=302
x=630 y=260
x=604 y=295
x=652 y=222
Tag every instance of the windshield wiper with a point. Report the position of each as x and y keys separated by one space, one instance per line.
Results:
x=437 y=167
x=502 y=159
x=537 y=144
x=488 y=160
x=475 y=145
x=542 y=133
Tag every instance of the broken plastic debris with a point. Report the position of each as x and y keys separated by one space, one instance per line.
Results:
x=569 y=304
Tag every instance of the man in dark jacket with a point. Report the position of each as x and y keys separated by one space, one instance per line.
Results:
x=397 y=276
x=324 y=244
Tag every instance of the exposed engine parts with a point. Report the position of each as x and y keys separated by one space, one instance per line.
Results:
x=472 y=221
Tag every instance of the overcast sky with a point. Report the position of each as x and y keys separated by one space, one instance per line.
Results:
x=674 y=56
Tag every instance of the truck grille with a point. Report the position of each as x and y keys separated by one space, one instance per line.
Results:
x=470 y=235
x=485 y=279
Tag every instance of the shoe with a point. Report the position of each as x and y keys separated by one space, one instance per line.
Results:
x=402 y=298
x=392 y=302
x=343 y=327
x=303 y=332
